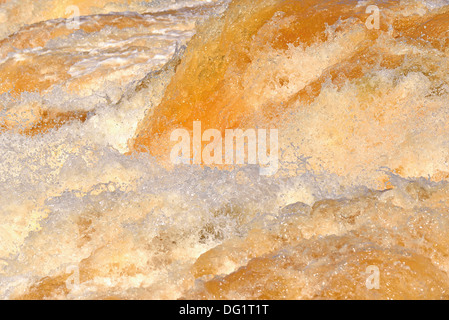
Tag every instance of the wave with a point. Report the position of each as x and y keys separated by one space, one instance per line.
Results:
x=92 y=206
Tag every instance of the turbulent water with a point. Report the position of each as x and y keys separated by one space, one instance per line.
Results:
x=91 y=207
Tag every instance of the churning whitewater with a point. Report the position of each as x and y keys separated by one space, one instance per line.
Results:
x=95 y=94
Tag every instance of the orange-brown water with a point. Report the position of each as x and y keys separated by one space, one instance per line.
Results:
x=92 y=206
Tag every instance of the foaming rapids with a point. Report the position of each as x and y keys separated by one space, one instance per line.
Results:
x=92 y=206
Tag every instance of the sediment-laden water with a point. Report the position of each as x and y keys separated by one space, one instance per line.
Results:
x=93 y=207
